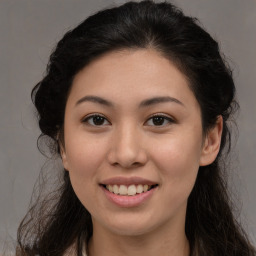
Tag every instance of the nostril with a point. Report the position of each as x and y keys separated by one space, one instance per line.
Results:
x=136 y=164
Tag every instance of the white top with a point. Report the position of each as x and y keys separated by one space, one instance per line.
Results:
x=84 y=250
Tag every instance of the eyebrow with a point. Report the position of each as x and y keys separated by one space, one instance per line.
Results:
x=157 y=100
x=95 y=99
x=144 y=103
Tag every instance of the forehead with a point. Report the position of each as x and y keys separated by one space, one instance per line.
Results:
x=131 y=74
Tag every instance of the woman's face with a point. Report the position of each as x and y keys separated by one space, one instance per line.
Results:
x=132 y=122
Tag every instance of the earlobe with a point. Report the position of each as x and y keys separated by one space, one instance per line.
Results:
x=60 y=141
x=63 y=156
x=212 y=143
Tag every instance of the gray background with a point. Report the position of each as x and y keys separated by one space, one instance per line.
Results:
x=30 y=29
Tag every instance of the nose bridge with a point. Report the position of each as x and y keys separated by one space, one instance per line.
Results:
x=128 y=140
x=127 y=149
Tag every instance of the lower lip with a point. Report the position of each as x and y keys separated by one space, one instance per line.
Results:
x=128 y=201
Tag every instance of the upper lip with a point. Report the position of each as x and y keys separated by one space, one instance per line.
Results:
x=127 y=181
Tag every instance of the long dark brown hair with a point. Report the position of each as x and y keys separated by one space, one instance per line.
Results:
x=57 y=219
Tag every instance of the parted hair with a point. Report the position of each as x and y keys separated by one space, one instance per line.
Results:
x=58 y=220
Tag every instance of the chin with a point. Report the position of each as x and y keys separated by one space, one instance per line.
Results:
x=131 y=227
x=130 y=231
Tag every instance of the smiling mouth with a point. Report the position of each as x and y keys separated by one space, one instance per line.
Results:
x=130 y=190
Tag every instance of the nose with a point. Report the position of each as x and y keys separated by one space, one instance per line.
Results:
x=127 y=149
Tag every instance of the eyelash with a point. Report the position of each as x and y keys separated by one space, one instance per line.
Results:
x=166 y=118
x=90 y=117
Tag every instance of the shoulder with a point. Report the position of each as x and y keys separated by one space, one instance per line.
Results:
x=71 y=251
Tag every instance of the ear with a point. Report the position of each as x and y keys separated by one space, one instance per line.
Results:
x=211 y=144
x=64 y=159
x=63 y=154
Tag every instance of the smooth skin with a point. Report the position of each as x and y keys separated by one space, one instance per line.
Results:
x=123 y=139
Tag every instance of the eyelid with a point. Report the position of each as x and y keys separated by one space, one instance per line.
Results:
x=166 y=117
x=87 y=117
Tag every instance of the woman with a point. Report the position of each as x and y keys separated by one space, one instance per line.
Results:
x=136 y=102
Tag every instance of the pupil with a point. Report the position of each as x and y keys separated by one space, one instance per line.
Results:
x=98 y=120
x=158 y=120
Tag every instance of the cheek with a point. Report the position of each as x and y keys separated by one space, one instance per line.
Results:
x=178 y=171
x=178 y=162
x=84 y=157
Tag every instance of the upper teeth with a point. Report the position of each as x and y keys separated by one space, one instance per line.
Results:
x=130 y=190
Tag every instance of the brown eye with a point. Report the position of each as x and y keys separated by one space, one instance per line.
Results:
x=96 y=120
x=159 y=120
